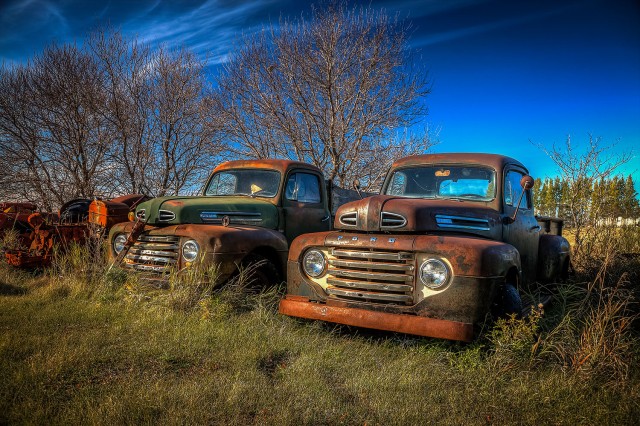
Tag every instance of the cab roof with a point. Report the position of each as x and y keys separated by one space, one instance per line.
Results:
x=496 y=161
x=274 y=164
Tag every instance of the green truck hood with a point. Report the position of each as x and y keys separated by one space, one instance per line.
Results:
x=236 y=210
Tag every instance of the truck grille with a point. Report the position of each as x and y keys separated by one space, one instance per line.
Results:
x=154 y=253
x=373 y=276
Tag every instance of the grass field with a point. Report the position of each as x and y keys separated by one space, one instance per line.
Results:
x=80 y=346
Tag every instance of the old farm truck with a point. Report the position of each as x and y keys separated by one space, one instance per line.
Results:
x=250 y=211
x=451 y=238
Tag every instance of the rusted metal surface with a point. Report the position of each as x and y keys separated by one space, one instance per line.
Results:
x=498 y=162
x=417 y=325
x=41 y=232
x=106 y=213
x=280 y=165
x=224 y=246
x=374 y=262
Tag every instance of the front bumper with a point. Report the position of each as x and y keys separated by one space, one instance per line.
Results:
x=298 y=306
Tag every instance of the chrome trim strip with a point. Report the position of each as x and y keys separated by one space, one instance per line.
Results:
x=142 y=251
x=396 y=220
x=150 y=258
x=349 y=217
x=401 y=267
x=370 y=275
x=369 y=285
x=166 y=215
x=369 y=295
x=159 y=238
x=401 y=255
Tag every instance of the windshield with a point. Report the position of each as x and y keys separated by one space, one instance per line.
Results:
x=259 y=183
x=473 y=183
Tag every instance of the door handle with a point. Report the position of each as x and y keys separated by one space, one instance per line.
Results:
x=536 y=228
x=326 y=218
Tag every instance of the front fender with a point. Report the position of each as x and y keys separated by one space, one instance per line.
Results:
x=553 y=257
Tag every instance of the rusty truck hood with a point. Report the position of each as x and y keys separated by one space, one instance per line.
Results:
x=385 y=213
x=235 y=210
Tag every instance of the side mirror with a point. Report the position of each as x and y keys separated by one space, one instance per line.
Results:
x=356 y=186
x=527 y=182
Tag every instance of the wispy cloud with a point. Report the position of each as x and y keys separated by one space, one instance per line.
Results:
x=209 y=30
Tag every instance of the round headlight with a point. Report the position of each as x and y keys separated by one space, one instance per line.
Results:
x=118 y=242
x=190 y=250
x=314 y=263
x=434 y=273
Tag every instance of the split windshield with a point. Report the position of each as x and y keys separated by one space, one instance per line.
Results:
x=258 y=183
x=473 y=183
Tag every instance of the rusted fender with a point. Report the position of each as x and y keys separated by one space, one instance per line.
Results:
x=411 y=324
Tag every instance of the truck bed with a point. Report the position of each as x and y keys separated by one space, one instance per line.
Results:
x=550 y=225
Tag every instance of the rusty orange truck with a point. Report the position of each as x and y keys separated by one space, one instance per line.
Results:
x=451 y=238
x=249 y=212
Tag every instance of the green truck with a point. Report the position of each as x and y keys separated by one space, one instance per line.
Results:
x=249 y=212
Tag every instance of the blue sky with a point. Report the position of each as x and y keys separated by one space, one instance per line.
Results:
x=506 y=74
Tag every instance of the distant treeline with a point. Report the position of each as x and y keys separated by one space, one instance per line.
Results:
x=609 y=198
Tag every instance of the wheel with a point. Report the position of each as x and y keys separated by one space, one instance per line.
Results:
x=507 y=302
x=258 y=272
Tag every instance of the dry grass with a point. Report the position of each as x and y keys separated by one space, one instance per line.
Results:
x=80 y=344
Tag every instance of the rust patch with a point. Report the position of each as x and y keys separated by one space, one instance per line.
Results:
x=417 y=325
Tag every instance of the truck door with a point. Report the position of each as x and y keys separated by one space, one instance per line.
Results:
x=524 y=233
x=304 y=203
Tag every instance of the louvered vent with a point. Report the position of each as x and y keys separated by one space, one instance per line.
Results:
x=462 y=222
x=349 y=219
x=166 y=216
x=392 y=220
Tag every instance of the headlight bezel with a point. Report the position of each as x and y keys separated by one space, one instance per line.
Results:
x=433 y=266
x=321 y=262
x=119 y=241
x=195 y=250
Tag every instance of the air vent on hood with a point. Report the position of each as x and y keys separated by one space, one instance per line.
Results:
x=166 y=216
x=140 y=214
x=349 y=219
x=462 y=222
x=392 y=220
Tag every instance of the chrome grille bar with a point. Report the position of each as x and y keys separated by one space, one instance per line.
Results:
x=367 y=295
x=371 y=275
x=154 y=253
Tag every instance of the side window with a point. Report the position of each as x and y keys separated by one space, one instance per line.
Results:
x=513 y=190
x=398 y=184
x=303 y=188
x=223 y=184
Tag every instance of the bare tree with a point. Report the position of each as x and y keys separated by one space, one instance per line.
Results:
x=160 y=117
x=333 y=90
x=181 y=128
x=69 y=97
x=581 y=170
x=51 y=130
x=125 y=65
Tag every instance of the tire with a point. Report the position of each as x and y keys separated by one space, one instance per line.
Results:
x=507 y=302
x=260 y=272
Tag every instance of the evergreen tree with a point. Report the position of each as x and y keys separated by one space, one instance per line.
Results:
x=630 y=206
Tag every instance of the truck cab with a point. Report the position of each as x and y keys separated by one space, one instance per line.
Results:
x=451 y=238
x=248 y=210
